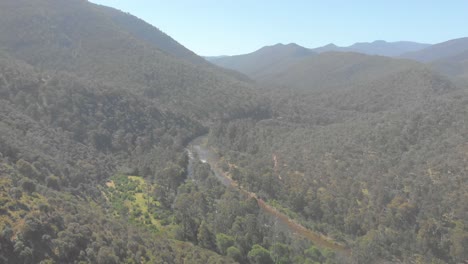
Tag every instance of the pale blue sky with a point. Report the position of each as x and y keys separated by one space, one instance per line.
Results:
x=228 y=27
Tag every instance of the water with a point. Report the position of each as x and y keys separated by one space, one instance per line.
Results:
x=206 y=155
x=198 y=149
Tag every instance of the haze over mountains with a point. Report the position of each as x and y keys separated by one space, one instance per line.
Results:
x=364 y=145
x=450 y=57
x=265 y=61
x=446 y=57
x=378 y=47
x=347 y=117
x=270 y=60
x=439 y=51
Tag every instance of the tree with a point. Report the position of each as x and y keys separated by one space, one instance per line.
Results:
x=234 y=253
x=28 y=186
x=429 y=236
x=189 y=214
x=281 y=253
x=26 y=255
x=53 y=182
x=205 y=237
x=171 y=176
x=223 y=242
x=28 y=170
x=259 y=255
x=16 y=193
x=459 y=239
x=107 y=256
x=314 y=254
x=6 y=233
x=164 y=196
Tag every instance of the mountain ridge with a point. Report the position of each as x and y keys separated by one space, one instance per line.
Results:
x=86 y=97
x=377 y=47
x=66 y=38
x=264 y=61
x=439 y=51
x=151 y=34
x=97 y=108
x=271 y=60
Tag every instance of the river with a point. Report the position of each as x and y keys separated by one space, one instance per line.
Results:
x=207 y=155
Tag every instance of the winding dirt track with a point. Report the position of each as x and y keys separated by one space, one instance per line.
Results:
x=208 y=155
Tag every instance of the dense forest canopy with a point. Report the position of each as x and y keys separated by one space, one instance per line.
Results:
x=98 y=109
x=370 y=150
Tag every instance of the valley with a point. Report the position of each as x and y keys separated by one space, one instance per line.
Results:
x=281 y=221
x=118 y=144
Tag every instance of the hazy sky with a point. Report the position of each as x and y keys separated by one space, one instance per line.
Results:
x=227 y=27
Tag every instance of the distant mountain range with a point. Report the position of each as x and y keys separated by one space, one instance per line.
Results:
x=266 y=61
x=97 y=109
x=346 y=119
x=273 y=59
x=378 y=47
x=439 y=51
x=448 y=57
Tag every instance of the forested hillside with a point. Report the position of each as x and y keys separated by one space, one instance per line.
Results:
x=449 y=57
x=273 y=60
x=62 y=138
x=456 y=66
x=439 y=51
x=266 y=61
x=144 y=31
x=369 y=150
x=85 y=97
x=79 y=37
x=336 y=70
x=98 y=110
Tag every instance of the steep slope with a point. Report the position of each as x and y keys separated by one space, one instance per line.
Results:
x=439 y=51
x=363 y=148
x=77 y=36
x=370 y=151
x=456 y=66
x=61 y=138
x=85 y=98
x=378 y=47
x=337 y=70
x=115 y=123
x=71 y=152
x=144 y=31
x=265 y=61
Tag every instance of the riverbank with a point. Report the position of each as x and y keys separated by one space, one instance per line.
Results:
x=198 y=148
